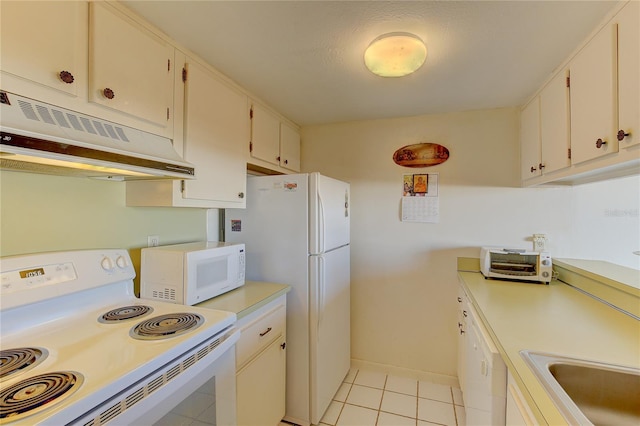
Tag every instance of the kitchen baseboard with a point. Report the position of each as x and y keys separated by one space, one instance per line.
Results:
x=405 y=372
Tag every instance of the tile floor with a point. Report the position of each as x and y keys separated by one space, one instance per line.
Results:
x=371 y=398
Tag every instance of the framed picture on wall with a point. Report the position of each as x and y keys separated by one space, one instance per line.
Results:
x=421 y=184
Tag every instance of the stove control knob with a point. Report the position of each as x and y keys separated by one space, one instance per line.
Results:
x=122 y=263
x=107 y=264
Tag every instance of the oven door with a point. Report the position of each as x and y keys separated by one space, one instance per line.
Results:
x=198 y=386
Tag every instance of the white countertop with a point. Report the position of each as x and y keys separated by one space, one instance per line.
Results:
x=554 y=318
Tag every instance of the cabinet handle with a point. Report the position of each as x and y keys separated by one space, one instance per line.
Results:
x=240 y=194
x=600 y=142
x=541 y=166
x=264 y=333
x=461 y=331
x=464 y=314
x=108 y=93
x=283 y=345
x=66 y=76
x=622 y=135
x=460 y=299
x=533 y=169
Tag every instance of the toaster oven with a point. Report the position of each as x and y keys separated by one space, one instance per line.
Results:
x=515 y=264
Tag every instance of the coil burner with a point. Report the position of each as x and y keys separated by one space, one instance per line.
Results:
x=125 y=313
x=19 y=360
x=37 y=393
x=165 y=326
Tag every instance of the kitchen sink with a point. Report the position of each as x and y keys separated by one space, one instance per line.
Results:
x=588 y=392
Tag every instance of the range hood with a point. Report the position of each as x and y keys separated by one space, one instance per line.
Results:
x=41 y=138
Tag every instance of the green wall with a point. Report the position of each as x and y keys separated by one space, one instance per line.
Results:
x=48 y=213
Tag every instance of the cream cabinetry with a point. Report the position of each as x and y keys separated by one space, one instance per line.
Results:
x=544 y=126
x=43 y=43
x=593 y=97
x=273 y=142
x=215 y=128
x=518 y=412
x=530 y=139
x=462 y=331
x=261 y=365
x=130 y=68
x=628 y=21
x=604 y=104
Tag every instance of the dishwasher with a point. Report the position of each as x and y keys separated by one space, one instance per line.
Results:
x=485 y=378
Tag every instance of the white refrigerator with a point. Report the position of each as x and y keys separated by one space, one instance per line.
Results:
x=296 y=231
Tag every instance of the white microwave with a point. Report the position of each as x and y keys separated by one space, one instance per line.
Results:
x=191 y=273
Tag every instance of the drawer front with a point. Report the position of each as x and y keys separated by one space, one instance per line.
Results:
x=259 y=333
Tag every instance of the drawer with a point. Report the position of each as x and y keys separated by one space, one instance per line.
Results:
x=257 y=334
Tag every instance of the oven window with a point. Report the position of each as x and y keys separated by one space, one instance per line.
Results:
x=197 y=408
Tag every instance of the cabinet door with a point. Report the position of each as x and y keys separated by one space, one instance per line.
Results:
x=593 y=98
x=215 y=134
x=265 y=135
x=629 y=73
x=289 y=148
x=554 y=125
x=130 y=68
x=261 y=387
x=462 y=330
x=41 y=40
x=530 y=139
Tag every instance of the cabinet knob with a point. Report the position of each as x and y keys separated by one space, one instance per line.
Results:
x=240 y=194
x=541 y=166
x=600 y=142
x=464 y=314
x=533 y=169
x=66 y=76
x=278 y=158
x=286 y=162
x=622 y=135
x=460 y=299
x=108 y=93
x=283 y=345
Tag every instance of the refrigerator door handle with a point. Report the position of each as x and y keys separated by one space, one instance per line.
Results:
x=321 y=225
x=321 y=294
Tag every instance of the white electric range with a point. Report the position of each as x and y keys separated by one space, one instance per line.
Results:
x=79 y=348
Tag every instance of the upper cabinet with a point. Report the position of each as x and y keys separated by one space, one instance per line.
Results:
x=130 y=68
x=544 y=127
x=289 y=147
x=530 y=139
x=43 y=43
x=215 y=130
x=596 y=120
x=593 y=97
x=273 y=142
x=628 y=130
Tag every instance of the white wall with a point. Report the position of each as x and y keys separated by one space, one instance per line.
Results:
x=606 y=221
x=404 y=274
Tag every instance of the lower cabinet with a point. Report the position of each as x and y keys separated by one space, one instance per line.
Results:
x=261 y=365
x=518 y=412
x=261 y=386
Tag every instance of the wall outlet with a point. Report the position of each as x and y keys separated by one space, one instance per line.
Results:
x=153 y=241
x=539 y=242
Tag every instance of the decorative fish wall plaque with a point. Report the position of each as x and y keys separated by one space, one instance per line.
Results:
x=421 y=155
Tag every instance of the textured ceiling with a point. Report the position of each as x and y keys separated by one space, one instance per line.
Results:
x=305 y=58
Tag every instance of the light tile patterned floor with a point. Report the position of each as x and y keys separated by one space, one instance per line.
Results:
x=368 y=398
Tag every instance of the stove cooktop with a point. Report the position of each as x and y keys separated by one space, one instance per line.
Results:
x=62 y=355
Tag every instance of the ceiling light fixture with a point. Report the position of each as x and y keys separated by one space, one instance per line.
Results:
x=395 y=54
